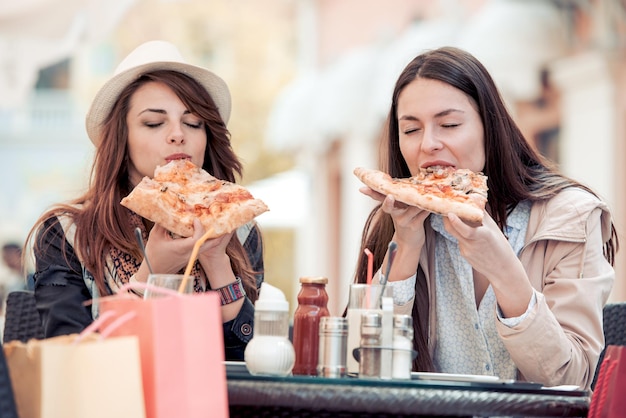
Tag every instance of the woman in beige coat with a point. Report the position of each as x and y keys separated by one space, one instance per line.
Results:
x=519 y=297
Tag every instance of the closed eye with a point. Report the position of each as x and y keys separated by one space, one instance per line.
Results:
x=194 y=125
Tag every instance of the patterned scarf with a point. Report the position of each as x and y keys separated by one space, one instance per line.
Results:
x=122 y=266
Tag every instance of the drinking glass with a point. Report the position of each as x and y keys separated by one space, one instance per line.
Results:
x=363 y=297
x=168 y=281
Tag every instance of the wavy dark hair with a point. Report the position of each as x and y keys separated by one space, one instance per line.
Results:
x=515 y=171
x=101 y=222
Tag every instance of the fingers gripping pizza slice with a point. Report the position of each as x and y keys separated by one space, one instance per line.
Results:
x=181 y=191
x=436 y=189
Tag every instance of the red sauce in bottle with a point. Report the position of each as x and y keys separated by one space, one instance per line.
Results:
x=312 y=305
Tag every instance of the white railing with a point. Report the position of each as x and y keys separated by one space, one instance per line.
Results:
x=48 y=114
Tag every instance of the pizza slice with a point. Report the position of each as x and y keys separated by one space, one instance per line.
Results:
x=181 y=191
x=436 y=189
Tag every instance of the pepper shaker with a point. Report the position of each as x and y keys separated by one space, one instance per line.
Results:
x=333 y=343
x=370 y=350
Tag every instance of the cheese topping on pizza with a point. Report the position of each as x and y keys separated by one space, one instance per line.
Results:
x=450 y=181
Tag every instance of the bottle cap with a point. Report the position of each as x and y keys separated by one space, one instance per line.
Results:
x=314 y=280
x=271 y=299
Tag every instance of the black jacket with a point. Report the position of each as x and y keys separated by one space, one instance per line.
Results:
x=61 y=292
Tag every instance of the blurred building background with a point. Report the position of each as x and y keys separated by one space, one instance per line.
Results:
x=311 y=82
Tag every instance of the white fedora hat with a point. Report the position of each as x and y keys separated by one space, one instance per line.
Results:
x=152 y=56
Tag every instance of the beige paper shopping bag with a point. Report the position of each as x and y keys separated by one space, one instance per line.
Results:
x=64 y=378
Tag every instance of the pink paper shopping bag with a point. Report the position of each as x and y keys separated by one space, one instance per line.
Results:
x=182 y=352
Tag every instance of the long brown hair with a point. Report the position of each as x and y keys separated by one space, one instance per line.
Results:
x=101 y=222
x=515 y=171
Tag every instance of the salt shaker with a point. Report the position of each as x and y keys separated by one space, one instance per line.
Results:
x=270 y=352
x=386 y=338
x=402 y=361
x=369 y=352
x=333 y=345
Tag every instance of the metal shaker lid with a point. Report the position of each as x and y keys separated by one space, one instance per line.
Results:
x=371 y=323
x=314 y=280
x=333 y=323
x=403 y=321
x=371 y=319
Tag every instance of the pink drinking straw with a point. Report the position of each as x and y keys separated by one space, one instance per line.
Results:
x=370 y=271
x=370 y=265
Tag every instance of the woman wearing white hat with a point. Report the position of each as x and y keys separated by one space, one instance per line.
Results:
x=154 y=109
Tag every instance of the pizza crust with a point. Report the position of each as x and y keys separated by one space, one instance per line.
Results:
x=181 y=192
x=469 y=207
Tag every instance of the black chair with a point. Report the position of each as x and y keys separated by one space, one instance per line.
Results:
x=7 y=398
x=22 y=321
x=614 y=322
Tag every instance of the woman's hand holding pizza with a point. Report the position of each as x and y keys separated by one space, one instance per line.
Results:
x=216 y=264
x=408 y=220
x=213 y=258
x=488 y=251
x=213 y=249
x=484 y=247
x=170 y=254
x=167 y=253
x=409 y=232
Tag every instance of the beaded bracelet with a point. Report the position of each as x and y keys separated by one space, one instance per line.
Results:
x=231 y=292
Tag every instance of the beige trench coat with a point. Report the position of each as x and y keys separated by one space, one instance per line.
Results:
x=560 y=341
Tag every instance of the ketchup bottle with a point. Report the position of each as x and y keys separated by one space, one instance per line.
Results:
x=312 y=306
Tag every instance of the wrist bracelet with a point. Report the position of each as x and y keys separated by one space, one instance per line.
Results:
x=231 y=292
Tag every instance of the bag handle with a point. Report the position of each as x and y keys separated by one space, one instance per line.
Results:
x=99 y=322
